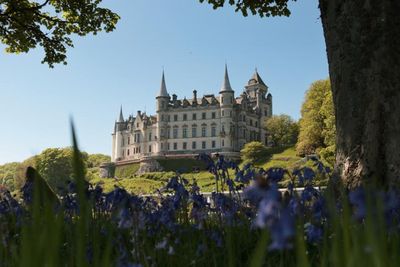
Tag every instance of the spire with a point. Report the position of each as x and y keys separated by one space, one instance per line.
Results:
x=121 y=117
x=163 y=90
x=226 y=86
x=256 y=78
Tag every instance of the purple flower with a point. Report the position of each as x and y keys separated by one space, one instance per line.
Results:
x=357 y=199
x=275 y=175
x=313 y=233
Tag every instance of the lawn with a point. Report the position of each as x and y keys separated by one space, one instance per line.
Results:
x=150 y=182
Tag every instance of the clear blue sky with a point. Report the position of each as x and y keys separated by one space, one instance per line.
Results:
x=191 y=41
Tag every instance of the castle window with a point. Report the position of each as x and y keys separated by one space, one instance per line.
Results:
x=244 y=118
x=175 y=117
x=168 y=118
x=194 y=116
x=185 y=117
x=123 y=141
x=149 y=149
x=223 y=142
x=251 y=122
x=175 y=146
x=265 y=112
x=213 y=131
x=203 y=145
x=213 y=115
x=137 y=125
x=162 y=146
x=184 y=132
x=162 y=133
x=203 y=115
x=184 y=145
x=175 y=132
x=149 y=136
x=223 y=129
x=256 y=123
x=134 y=138
x=203 y=131
x=129 y=140
x=223 y=113
x=193 y=145
x=127 y=152
x=194 y=131
x=213 y=144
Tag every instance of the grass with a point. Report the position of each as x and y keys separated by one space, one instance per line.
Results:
x=127 y=230
x=149 y=182
x=283 y=159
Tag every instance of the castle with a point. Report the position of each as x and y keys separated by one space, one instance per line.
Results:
x=184 y=127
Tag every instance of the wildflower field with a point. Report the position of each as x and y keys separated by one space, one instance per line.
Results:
x=253 y=224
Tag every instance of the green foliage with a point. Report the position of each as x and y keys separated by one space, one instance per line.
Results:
x=55 y=166
x=262 y=8
x=282 y=130
x=317 y=125
x=127 y=171
x=7 y=172
x=20 y=172
x=183 y=165
x=25 y=24
x=253 y=152
x=95 y=160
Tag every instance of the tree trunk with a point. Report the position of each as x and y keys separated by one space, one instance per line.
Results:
x=363 y=47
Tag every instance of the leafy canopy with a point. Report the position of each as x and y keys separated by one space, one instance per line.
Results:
x=317 y=124
x=282 y=130
x=25 y=24
x=264 y=8
x=253 y=152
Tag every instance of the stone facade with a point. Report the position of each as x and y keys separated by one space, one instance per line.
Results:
x=219 y=123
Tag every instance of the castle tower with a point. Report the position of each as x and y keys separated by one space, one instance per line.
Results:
x=227 y=98
x=120 y=126
x=162 y=123
x=256 y=89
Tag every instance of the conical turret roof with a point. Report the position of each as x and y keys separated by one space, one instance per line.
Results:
x=226 y=85
x=121 y=116
x=163 y=89
x=256 y=79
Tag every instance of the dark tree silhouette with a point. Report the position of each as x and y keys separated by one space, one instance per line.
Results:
x=363 y=48
x=25 y=24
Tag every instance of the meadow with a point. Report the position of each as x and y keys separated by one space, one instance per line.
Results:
x=86 y=226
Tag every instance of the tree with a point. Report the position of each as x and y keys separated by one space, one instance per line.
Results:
x=253 y=152
x=329 y=131
x=363 y=48
x=95 y=160
x=282 y=130
x=55 y=166
x=317 y=128
x=312 y=120
x=25 y=24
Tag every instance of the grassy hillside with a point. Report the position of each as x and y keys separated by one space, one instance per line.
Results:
x=150 y=182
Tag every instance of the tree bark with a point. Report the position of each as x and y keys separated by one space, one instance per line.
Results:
x=363 y=46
